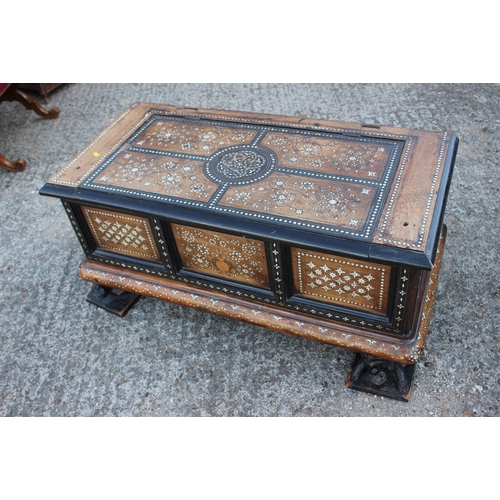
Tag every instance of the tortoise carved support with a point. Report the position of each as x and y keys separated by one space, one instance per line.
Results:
x=112 y=300
x=381 y=377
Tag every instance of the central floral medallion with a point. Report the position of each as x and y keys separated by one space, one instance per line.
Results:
x=240 y=165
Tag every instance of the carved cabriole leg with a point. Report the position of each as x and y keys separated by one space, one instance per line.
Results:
x=381 y=377
x=14 y=94
x=12 y=166
x=111 y=299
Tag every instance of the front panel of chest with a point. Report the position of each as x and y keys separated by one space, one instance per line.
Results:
x=375 y=296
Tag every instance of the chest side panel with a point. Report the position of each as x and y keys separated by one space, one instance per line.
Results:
x=129 y=235
x=310 y=281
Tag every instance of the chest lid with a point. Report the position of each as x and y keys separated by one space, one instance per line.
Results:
x=376 y=192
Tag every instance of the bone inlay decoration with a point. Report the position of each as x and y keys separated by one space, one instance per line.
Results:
x=342 y=281
x=121 y=233
x=224 y=255
x=197 y=139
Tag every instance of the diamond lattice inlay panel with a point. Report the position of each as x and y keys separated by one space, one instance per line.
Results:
x=224 y=255
x=341 y=281
x=121 y=233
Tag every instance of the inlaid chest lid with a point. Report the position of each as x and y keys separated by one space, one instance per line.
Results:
x=381 y=188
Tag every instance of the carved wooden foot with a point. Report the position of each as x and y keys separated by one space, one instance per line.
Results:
x=381 y=377
x=14 y=94
x=12 y=166
x=111 y=299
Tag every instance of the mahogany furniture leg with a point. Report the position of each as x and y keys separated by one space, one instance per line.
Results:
x=381 y=377
x=14 y=94
x=42 y=88
x=12 y=166
x=111 y=299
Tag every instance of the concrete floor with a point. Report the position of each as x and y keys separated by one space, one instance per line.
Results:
x=60 y=356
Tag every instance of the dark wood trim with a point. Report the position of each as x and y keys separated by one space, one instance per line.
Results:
x=327 y=243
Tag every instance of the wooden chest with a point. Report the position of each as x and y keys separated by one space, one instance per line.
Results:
x=328 y=230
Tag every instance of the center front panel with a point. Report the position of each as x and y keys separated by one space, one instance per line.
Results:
x=222 y=255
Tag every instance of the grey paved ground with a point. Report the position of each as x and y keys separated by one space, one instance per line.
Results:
x=60 y=356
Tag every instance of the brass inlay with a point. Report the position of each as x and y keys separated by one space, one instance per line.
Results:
x=338 y=280
x=121 y=233
x=232 y=257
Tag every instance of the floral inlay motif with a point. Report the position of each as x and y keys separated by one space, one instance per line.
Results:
x=179 y=177
x=240 y=164
x=348 y=282
x=319 y=200
x=337 y=156
x=225 y=255
x=303 y=178
x=182 y=137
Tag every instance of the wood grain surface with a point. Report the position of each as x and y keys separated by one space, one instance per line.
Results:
x=340 y=280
